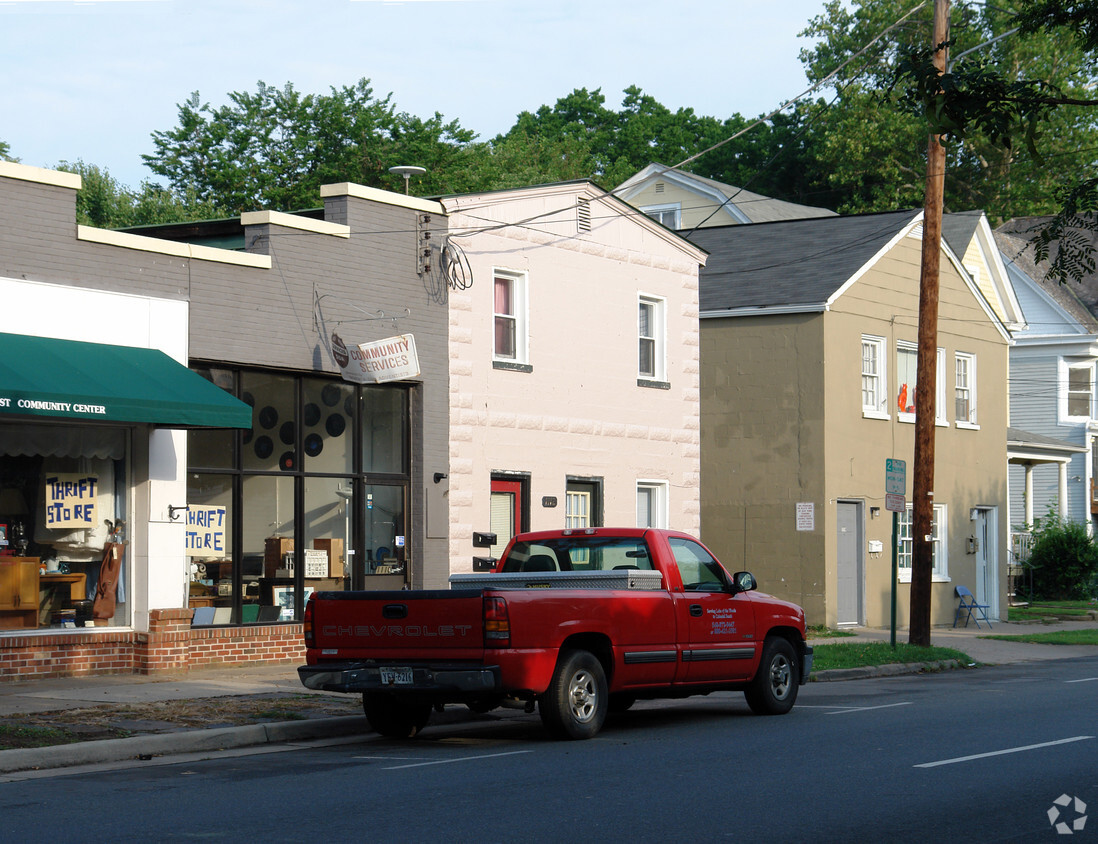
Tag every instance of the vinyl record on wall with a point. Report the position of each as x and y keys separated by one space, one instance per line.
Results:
x=330 y=395
x=335 y=425
x=248 y=399
x=314 y=444
x=311 y=415
x=349 y=406
x=287 y=461
x=286 y=433
x=268 y=417
x=264 y=448
x=248 y=436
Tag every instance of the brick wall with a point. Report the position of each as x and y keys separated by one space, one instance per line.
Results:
x=170 y=646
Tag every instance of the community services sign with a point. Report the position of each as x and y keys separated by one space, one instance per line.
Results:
x=391 y=359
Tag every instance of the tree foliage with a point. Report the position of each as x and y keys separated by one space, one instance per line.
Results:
x=1064 y=560
x=5 y=152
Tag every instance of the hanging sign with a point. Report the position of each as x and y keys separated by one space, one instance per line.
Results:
x=72 y=501
x=391 y=359
x=205 y=531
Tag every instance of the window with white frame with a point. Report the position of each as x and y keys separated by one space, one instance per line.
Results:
x=577 y=509
x=965 y=390
x=509 y=314
x=652 y=499
x=874 y=378
x=668 y=215
x=938 y=543
x=907 y=367
x=1078 y=401
x=651 y=331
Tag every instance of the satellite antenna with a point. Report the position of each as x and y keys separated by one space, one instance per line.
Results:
x=407 y=171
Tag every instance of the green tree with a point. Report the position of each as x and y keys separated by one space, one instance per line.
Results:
x=875 y=151
x=1064 y=560
x=5 y=152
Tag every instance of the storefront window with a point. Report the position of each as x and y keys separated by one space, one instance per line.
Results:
x=323 y=486
x=209 y=546
x=64 y=560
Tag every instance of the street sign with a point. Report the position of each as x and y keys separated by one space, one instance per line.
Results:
x=895 y=503
x=896 y=476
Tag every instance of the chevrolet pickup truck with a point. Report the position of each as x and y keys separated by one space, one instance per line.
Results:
x=579 y=622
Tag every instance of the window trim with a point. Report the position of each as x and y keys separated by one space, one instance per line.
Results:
x=1066 y=367
x=940 y=416
x=674 y=207
x=880 y=346
x=521 y=317
x=660 y=491
x=658 y=339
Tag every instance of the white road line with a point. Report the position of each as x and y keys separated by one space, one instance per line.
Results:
x=1084 y=680
x=452 y=761
x=868 y=708
x=1002 y=752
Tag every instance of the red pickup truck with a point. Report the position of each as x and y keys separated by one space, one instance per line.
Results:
x=580 y=622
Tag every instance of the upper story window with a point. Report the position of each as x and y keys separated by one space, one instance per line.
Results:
x=510 y=316
x=669 y=215
x=652 y=504
x=874 y=378
x=1077 y=395
x=965 y=390
x=651 y=338
x=907 y=366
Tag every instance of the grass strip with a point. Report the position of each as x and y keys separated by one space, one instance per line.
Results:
x=864 y=654
x=1059 y=637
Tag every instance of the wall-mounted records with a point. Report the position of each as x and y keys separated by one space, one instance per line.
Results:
x=287 y=432
x=335 y=425
x=264 y=448
x=286 y=461
x=268 y=417
x=330 y=395
x=311 y=415
x=314 y=444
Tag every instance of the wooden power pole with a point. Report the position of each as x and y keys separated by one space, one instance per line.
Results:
x=926 y=386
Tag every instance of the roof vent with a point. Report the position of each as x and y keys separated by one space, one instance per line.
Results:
x=659 y=187
x=583 y=216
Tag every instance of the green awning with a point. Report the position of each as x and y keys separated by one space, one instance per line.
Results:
x=68 y=379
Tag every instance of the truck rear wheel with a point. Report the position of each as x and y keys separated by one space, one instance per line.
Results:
x=774 y=689
x=575 y=705
x=393 y=717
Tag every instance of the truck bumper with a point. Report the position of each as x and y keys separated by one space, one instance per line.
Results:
x=806 y=664
x=356 y=677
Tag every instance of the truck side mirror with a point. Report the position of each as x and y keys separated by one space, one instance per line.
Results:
x=743 y=581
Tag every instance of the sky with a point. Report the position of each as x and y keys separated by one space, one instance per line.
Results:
x=93 y=80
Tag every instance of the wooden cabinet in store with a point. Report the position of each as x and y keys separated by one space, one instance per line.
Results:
x=19 y=591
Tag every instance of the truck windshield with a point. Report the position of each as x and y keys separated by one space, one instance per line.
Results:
x=579 y=553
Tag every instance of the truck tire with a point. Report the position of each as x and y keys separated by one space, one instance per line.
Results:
x=774 y=689
x=395 y=718
x=576 y=702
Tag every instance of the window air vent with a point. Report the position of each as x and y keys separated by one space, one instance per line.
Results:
x=659 y=187
x=583 y=216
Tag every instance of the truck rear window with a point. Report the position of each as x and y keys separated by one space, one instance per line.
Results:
x=579 y=553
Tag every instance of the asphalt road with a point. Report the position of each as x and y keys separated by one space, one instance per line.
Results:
x=959 y=756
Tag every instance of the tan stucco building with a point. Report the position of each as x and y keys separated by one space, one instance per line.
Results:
x=809 y=332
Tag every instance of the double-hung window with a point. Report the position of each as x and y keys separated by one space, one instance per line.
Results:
x=907 y=367
x=965 y=391
x=938 y=542
x=1077 y=400
x=652 y=504
x=509 y=315
x=651 y=339
x=874 y=378
x=668 y=215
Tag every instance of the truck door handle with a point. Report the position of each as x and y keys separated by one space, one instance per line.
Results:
x=394 y=611
x=696 y=610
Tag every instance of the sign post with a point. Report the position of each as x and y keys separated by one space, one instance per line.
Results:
x=895 y=488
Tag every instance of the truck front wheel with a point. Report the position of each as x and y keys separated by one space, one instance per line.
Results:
x=774 y=689
x=575 y=705
x=395 y=718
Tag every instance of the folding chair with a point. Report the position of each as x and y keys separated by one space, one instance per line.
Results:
x=970 y=609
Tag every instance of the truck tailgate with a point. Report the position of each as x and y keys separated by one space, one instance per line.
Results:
x=408 y=625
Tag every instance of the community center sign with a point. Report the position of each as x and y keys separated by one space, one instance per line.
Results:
x=391 y=359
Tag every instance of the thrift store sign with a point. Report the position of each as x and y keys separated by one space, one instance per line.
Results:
x=205 y=531
x=72 y=501
x=391 y=359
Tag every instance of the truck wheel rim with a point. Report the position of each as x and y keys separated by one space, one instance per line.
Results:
x=582 y=696
x=781 y=676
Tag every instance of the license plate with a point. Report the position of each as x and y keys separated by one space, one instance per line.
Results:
x=396 y=676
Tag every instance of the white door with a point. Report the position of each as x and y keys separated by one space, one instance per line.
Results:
x=987 y=553
x=850 y=563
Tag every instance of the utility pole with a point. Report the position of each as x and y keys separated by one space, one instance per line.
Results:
x=926 y=376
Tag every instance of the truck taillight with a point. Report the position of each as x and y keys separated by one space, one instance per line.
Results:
x=307 y=623
x=497 y=623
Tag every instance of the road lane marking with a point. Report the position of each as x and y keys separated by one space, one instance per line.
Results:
x=868 y=708
x=1002 y=752
x=462 y=759
x=1084 y=680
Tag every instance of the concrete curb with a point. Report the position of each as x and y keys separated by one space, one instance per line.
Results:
x=188 y=741
x=889 y=670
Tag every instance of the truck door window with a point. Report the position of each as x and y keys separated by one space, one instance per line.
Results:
x=700 y=572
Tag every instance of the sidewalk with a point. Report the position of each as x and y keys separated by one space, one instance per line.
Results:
x=37 y=696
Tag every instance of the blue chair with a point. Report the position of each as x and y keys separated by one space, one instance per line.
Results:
x=970 y=609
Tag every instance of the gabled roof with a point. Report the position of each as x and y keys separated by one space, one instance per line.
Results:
x=798 y=265
x=736 y=203
x=969 y=235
